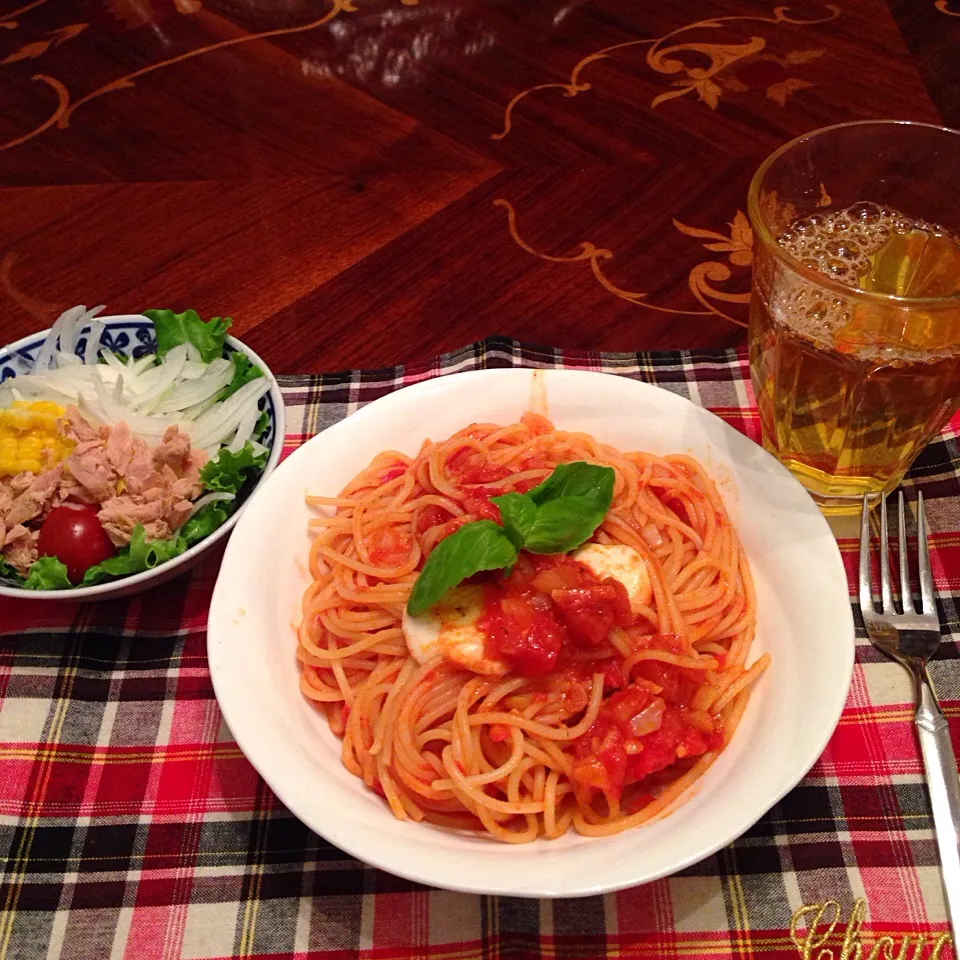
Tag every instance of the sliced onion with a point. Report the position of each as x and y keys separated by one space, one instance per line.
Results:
x=193 y=392
x=45 y=354
x=191 y=413
x=244 y=429
x=93 y=343
x=112 y=360
x=220 y=421
x=150 y=428
x=148 y=379
x=193 y=369
x=68 y=333
x=169 y=371
x=648 y=720
x=200 y=503
x=193 y=354
x=144 y=363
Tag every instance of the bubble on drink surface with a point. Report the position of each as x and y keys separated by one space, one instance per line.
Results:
x=842 y=249
x=836 y=268
x=865 y=212
x=840 y=245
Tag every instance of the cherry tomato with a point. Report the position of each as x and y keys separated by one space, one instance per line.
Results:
x=74 y=535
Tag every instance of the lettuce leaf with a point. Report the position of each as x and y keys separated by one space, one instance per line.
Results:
x=243 y=372
x=139 y=555
x=229 y=471
x=8 y=573
x=206 y=520
x=47 y=573
x=187 y=327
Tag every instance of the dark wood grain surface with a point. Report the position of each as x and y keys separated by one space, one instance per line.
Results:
x=363 y=182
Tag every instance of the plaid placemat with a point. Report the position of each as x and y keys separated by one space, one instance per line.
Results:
x=131 y=826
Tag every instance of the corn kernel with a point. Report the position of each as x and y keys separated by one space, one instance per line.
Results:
x=28 y=437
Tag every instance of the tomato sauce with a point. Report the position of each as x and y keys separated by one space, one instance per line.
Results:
x=549 y=609
x=547 y=605
x=389 y=546
x=467 y=467
x=642 y=729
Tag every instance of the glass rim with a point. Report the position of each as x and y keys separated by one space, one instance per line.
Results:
x=763 y=234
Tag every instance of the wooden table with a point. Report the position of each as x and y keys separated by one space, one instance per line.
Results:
x=364 y=182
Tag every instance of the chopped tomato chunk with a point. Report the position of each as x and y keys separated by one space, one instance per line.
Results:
x=650 y=736
x=591 y=612
x=528 y=639
x=600 y=760
x=613 y=675
x=547 y=603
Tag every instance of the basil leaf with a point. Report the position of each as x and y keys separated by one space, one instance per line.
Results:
x=555 y=517
x=562 y=525
x=578 y=479
x=518 y=513
x=47 y=573
x=188 y=327
x=482 y=545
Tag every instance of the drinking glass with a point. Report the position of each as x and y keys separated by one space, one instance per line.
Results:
x=854 y=328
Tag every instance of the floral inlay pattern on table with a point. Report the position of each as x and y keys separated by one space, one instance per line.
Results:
x=708 y=82
x=701 y=278
x=67 y=106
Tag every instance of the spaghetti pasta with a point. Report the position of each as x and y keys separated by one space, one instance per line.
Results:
x=601 y=736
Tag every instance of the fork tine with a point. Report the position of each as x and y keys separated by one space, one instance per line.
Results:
x=923 y=560
x=886 y=593
x=906 y=598
x=866 y=595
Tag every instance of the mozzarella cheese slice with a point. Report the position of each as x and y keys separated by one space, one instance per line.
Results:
x=621 y=563
x=449 y=628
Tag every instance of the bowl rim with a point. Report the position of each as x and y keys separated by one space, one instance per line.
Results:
x=100 y=590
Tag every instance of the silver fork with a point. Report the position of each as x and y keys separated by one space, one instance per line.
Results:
x=911 y=638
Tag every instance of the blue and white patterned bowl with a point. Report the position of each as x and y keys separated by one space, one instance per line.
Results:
x=133 y=335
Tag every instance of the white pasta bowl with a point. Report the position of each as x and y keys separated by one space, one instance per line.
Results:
x=133 y=336
x=805 y=623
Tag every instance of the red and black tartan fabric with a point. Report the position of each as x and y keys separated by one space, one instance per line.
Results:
x=131 y=826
